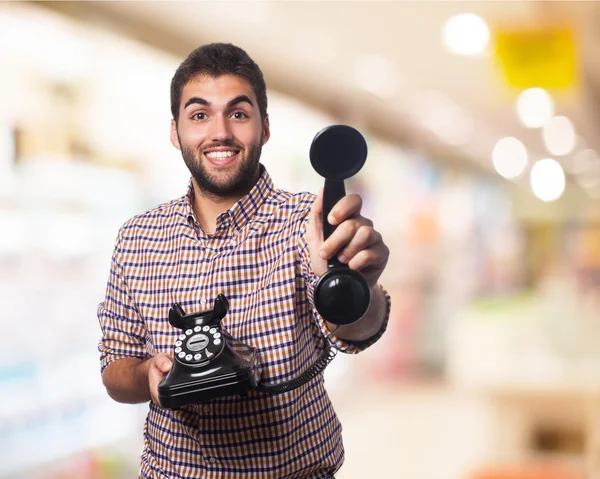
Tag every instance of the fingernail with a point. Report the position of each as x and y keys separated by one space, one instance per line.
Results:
x=342 y=258
x=323 y=254
x=331 y=218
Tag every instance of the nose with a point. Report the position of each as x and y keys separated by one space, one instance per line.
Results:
x=219 y=129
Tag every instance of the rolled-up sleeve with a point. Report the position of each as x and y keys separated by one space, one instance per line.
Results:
x=123 y=329
x=310 y=278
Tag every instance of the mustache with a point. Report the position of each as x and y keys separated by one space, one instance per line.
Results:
x=221 y=144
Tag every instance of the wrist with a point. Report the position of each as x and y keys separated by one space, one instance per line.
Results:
x=377 y=297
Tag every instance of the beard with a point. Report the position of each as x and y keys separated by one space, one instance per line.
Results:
x=236 y=183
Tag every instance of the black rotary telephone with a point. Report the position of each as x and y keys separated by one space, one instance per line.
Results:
x=209 y=362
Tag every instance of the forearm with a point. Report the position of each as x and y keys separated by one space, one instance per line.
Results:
x=369 y=324
x=126 y=380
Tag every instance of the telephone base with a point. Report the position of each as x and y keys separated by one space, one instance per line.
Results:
x=175 y=396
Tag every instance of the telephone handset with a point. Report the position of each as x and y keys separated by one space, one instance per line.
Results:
x=342 y=295
x=209 y=363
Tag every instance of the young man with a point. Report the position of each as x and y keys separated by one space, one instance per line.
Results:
x=263 y=248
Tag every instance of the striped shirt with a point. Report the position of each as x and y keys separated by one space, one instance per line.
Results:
x=258 y=258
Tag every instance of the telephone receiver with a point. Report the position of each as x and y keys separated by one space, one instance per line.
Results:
x=342 y=295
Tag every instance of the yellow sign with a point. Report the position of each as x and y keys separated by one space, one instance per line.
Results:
x=542 y=57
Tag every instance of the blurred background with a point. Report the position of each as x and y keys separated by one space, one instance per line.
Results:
x=482 y=120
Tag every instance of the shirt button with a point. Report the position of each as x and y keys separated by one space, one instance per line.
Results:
x=206 y=409
x=212 y=460
x=203 y=301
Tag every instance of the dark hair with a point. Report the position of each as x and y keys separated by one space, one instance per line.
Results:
x=217 y=59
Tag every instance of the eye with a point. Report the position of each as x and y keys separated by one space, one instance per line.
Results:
x=199 y=116
x=239 y=115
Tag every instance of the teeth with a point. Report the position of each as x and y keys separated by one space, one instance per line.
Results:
x=220 y=154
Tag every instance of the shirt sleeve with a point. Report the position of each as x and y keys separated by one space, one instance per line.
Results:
x=123 y=329
x=343 y=345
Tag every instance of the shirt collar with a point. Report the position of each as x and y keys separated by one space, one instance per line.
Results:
x=242 y=212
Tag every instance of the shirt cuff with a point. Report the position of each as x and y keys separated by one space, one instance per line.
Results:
x=365 y=343
x=107 y=358
x=346 y=345
x=118 y=342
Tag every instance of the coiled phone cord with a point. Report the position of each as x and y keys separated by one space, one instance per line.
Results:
x=325 y=357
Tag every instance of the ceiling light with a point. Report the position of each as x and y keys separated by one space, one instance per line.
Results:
x=465 y=34
x=559 y=135
x=535 y=107
x=547 y=179
x=509 y=157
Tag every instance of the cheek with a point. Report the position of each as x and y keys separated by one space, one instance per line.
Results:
x=250 y=136
x=190 y=137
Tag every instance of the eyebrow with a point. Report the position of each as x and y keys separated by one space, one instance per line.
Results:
x=235 y=101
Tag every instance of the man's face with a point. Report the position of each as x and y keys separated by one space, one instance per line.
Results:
x=220 y=134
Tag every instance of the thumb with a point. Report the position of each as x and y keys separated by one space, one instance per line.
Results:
x=164 y=364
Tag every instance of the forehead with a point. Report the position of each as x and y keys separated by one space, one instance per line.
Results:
x=216 y=90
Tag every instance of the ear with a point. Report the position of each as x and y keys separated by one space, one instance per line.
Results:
x=266 y=130
x=174 y=136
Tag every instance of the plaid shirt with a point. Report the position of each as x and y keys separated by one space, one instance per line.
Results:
x=258 y=257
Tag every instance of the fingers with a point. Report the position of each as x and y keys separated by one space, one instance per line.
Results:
x=359 y=250
x=364 y=238
x=346 y=207
x=375 y=258
x=357 y=244
x=347 y=232
x=353 y=241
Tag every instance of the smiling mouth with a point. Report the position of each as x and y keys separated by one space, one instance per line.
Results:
x=220 y=155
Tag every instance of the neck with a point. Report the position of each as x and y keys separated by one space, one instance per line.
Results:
x=208 y=207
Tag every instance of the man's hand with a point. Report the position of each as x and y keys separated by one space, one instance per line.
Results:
x=135 y=380
x=354 y=240
x=159 y=367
